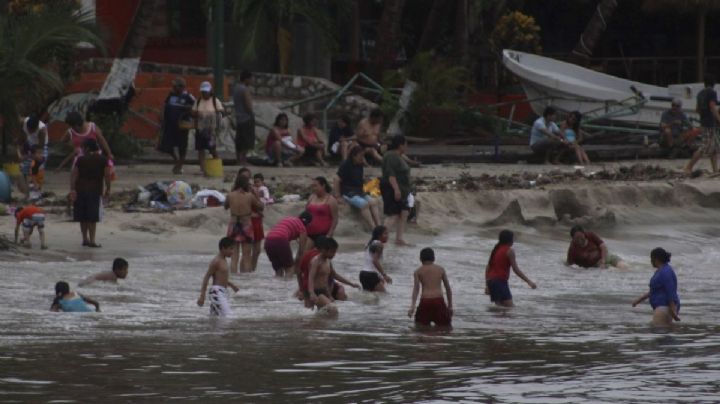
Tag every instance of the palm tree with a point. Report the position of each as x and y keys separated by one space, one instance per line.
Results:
x=388 y=38
x=597 y=25
x=701 y=9
x=37 y=50
x=139 y=29
x=270 y=21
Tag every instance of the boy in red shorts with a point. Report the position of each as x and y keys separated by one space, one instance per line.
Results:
x=432 y=308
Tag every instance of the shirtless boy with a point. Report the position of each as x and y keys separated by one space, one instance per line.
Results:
x=321 y=272
x=119 y=271
x=220 y=274
x=432 y=308
x=242 y=203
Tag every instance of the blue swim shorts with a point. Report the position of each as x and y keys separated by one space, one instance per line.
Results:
x=499 y=290
x=357 y=201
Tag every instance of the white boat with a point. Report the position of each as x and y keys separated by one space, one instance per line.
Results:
x=569 y=87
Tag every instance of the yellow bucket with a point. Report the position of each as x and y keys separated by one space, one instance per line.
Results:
x=12 y=169
x=214 y=168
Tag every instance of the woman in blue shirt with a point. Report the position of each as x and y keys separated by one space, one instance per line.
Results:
x=663 y=295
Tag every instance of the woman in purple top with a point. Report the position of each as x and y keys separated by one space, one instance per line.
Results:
x=663 y=295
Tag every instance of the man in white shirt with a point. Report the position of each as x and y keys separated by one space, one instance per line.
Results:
x=545 y=137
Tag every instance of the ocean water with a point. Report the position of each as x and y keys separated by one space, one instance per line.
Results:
x=574 y=339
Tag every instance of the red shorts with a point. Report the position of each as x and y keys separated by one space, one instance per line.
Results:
x=257 y=227
x=433 y=310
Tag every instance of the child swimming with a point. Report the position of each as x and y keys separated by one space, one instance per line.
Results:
x=68 y=301
x=119 y=271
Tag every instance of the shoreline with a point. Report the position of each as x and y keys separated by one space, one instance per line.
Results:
x=475 y=197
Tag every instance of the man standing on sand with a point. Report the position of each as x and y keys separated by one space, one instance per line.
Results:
x=220 y=274
x=244 y=118
x=707 y=100
x=431 y=277
x=176 y=121
x=86 y=190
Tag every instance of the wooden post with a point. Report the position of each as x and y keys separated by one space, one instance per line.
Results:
x=701 y=17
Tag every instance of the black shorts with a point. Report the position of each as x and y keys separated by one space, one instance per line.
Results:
x=391 y=207
x=311 y=152
x=369 y=280
x=499 y=290
x=204 y=139
x=86 y=208
x=245 y=135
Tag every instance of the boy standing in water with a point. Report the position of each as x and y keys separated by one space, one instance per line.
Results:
x=218 y=270
x=321 y=272
x=432 y=308
x=119 y=271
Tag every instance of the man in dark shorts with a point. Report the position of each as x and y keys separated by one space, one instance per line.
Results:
x=244 y=117
x=176 y=122
x=90 y=173
x=707 y=107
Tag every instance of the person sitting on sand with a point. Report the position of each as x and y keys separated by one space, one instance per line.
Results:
x=373 y=276
x=242 y=202
x=497 y=271
x=663 y=295
x=574 y=135
x=545 y=136
x=321 y=273
x=348 y=187
x=30 y=217
x=431 y=277
x=673 y=123
x=218 y=271
x=340 y=138
x=277 y=243
x=68 y=301
x=119 y=271
x=280 y=148
x=588 y=251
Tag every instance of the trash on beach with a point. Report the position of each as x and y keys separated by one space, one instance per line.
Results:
x=208 y=198
x=179 y=194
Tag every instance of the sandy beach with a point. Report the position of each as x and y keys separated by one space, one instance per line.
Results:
x=481 y=196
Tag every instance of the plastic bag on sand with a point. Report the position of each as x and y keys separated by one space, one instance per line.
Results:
x=208 y=197
x=372 y=187
x=179 y=193
x=290 y=198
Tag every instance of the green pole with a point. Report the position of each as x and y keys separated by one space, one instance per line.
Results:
x=218 y=17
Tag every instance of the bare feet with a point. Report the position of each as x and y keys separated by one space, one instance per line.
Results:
x=402 y=243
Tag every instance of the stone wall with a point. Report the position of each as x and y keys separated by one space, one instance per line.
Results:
x=266 y=85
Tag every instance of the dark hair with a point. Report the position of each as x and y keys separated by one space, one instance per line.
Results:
x=62 y=288
x=326 y=243
x=241 y=182
x=575 y=229
x=279 y=117
x=324 y=182
x=91 y=145
x=548 y=111
x=245 y=74
x=709 y=80
x=346 y=119
x=661 y=255
x=308 y=118
x=396 y=142
x=74 y=118
x=376 y=233
x=427 y=254
x=578 y=117
x=226 y=242
x=34 y=148
x=506 y=237
x=354 y=151
x=32 y=123
x=377 y=113
x=243 y=170
x=306 y=217
x=119 y=263
x=259 y=176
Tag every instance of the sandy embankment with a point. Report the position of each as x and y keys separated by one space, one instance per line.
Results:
x=477 y=198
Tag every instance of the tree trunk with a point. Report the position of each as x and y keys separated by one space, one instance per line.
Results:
x=355 y=32
x=388 y=38
x=701 y=18
x=140 y=27
x=462 y=34
x=427 y=40
x=597 y=25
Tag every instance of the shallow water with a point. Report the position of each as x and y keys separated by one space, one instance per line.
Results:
x=574 y=339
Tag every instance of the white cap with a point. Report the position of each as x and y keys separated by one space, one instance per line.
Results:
x=205 y=87
x=677 y=101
